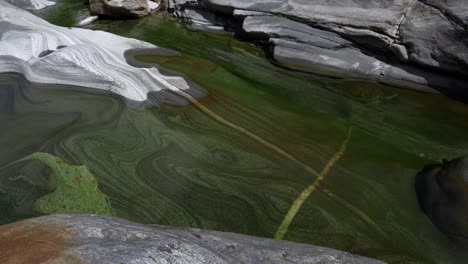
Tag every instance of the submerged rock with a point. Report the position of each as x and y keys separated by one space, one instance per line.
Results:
x=99 y=239
x=119 y=8
x=442 y=191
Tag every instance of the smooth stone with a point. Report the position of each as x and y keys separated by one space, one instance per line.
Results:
x=87 y=21
x=119 y=8
x=382 y=16
x=442 y=191
x=100 y=239
x=283 y=28
x=78 y=57
x=31 y=4
x=152 y=5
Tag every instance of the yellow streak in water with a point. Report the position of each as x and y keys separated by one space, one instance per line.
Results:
x=283 y=228
x=306 y=193
x=245 y=132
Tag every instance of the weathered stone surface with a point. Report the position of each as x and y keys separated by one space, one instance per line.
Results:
x=418 y=44
x=283 y=28
x=98 y=239
x=442 y=191
x=343 y=62
x=435 y=40
x=119 y=8
x=382 y=16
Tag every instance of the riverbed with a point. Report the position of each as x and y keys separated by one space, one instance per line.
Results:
x=177 y=165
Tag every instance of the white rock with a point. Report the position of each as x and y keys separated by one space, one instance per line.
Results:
x=80 y=57
x=31 y=4
x=87 y=21
x=153 y=5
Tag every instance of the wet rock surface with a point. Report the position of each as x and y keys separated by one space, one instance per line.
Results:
x=99 y=239
x=119 y=8
x=442 y=191
x=418 y=44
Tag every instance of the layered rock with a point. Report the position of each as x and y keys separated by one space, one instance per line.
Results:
x=119 y=8
x=31 y=4
x=420 y=44
x=442 y=191
x=49 y=54
x=98 y=239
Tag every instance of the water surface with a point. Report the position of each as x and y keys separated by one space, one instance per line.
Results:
x=175 y=165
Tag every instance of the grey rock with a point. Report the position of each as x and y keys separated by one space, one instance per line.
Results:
x=343 y=62
x=434 y=40
x=283 y=28
x=119 y=8
x=99 y=239
x=442 y=191
x=456 y=10
x=382 y=16
x=244 y=13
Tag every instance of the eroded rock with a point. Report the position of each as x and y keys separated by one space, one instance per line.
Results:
x=417 y=44
x=94 y=239
x=48 y=54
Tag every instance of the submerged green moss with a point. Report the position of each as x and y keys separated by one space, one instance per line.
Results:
x=76 y=189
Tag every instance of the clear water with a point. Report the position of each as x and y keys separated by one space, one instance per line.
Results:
x=175 y=165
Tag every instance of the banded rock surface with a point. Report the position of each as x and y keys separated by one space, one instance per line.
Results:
x=49 y=54
x=31 y=4
x=94 y=239
x=418 y=44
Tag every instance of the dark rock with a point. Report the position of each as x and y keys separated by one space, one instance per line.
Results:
x=435 y=40
x=442 y=191
x=99 y=239
x=119 y=8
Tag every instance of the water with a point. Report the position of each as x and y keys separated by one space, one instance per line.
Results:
x=178 y=166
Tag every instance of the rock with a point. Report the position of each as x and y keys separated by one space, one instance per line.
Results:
x=344 y=62
x=283 y=28
x=442 y=191
x=416 y=44
x=31 y=4
x=87 y=21
x=435 y=40
x=99 y=239
x=152 y=5
x=382 y=16
x=119 y=8
x=81 y=58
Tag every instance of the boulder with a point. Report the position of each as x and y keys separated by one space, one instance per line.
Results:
x=442 y=191
x=435 y=40
x=417 y=44
x=119 y=8
x=99 y=239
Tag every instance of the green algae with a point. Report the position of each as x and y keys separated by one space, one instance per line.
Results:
x=176 y=166
x=75 y=189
